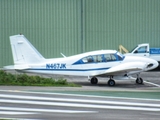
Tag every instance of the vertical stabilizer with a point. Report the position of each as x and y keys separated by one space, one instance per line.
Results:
x=23 y=51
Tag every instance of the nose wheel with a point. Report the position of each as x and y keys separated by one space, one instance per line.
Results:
x=139 y=81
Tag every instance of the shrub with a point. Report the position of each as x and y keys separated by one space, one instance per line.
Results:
x=61 y=82
x=26 y=80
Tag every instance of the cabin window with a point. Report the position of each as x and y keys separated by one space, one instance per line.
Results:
x=97 y=58
x=91 y=59
x=109 y=57
x=101 y=58
x=88 y=59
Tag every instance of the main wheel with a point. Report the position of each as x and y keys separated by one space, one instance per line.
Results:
x=111 y=82
x=139 y=81
x=94 y=80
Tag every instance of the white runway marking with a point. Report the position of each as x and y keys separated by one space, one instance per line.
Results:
x=15 y=113
x=38 y=105
x=79 y=105
x=80 y=95
x=79 y=100
x=44 y=110
x=152 y=84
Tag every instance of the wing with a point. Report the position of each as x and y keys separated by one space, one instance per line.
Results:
x=123 y=68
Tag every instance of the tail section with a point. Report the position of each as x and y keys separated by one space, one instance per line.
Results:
x=23 y=51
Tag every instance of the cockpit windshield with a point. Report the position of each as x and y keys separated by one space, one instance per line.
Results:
x=120 y=56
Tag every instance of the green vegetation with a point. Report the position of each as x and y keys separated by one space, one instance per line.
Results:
x=25 y=80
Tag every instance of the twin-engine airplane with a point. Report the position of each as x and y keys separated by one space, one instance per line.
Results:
x=101 y=63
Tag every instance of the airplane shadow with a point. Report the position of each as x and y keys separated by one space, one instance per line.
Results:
x=118 y=85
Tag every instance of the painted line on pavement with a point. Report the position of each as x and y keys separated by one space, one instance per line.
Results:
x=15 y=113
x=80 y=95
x=79 y=100
x=45 y=110
x=79 y=105
x=152 y=84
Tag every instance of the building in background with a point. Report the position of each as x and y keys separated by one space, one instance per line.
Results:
x=75 y=26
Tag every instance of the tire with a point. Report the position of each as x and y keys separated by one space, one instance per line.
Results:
x=139 y=81
x=94 y=80
x=111 y=83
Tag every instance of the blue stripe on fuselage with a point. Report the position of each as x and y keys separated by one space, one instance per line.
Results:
x=69 y=69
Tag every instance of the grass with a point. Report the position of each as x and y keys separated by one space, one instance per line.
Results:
x=25 y=80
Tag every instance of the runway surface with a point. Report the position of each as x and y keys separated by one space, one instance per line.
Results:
x=58 y=106
x=125 y=101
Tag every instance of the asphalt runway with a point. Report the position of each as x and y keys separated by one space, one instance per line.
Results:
x=125 y=101
x=58 y=106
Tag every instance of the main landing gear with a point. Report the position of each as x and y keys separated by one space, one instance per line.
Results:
x=94 y=80
x=111 y=82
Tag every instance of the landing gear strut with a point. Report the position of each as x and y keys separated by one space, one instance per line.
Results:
x=94 y=80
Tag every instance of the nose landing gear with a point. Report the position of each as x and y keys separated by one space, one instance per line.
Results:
x=139 y=81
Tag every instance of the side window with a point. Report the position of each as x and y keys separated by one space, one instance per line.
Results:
x=97 y=58
x=88 y=59
x=113 y=57
x=109 y=57
x=141 y=50
x=85 y=60
x=91 y=59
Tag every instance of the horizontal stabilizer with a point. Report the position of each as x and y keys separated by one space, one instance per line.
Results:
x=16 y=67
x=20 y=67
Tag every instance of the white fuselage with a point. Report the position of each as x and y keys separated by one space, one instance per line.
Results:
x=65 y=66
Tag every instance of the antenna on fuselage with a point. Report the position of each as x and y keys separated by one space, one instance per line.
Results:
x=63 y=55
